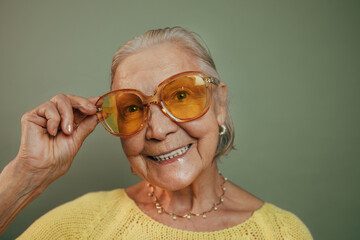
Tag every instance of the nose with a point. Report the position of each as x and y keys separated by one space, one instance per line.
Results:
x=159 y=125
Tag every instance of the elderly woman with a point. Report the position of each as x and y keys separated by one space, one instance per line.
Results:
x=169 y=108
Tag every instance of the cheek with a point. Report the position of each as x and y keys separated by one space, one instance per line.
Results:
x=201 y=129
x=133 y=145
x=206 y=131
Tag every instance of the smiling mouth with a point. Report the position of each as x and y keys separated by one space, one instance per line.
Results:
x=171 y=154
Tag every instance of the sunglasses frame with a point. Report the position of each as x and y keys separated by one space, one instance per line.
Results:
x=156 y=99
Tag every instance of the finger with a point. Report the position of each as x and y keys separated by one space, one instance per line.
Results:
x=65 y=109
x=31 y=117
x=79 y=116
x=86 y=127
x=82 y=104
x=93 y=100
x=49 y=111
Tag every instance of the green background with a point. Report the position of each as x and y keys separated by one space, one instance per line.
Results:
x=292 y=68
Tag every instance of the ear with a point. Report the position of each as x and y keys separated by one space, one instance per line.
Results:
x=220 y=105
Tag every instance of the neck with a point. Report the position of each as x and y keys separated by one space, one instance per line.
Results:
x=198 y=197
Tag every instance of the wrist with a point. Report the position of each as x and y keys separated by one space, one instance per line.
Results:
x=18 y=188
x=17 y=177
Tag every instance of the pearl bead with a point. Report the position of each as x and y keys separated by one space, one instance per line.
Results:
x=160 y=209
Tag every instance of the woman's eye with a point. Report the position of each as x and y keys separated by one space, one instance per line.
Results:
x=181 y=95
x=132 y=108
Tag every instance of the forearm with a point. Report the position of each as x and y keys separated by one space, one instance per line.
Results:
x=18 y=188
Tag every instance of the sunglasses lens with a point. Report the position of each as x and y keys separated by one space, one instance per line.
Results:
x=122 y=113
x=185 y=98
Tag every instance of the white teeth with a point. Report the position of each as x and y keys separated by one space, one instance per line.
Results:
x=172 y=154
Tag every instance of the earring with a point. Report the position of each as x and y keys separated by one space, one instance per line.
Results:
x=223 y=129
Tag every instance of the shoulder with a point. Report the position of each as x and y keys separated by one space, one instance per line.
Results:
x=282 y=223
x=75 y=217
x=90 y=203
x=265 y=217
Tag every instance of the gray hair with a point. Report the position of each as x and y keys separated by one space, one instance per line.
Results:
x=189 y=41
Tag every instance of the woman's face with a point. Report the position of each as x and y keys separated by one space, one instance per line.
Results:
x=195 y=142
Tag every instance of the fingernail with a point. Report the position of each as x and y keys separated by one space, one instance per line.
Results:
x=69 y=128
x=54 y=132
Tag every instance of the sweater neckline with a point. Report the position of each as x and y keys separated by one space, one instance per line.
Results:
x=247 y=221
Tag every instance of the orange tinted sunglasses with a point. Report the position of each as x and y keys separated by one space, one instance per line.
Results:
x=183 y=97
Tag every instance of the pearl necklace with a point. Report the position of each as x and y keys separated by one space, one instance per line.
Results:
x=174 y=216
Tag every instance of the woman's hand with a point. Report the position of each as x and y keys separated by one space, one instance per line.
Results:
x=53 y=133
x=51 y=136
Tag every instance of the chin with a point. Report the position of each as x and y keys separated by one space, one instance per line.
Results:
x=174 y=185
x=173 y=181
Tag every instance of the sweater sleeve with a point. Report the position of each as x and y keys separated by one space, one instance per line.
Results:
x=295 y=229
x=71 y=220
x=286 y=225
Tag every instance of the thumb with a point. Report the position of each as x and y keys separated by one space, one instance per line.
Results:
x=85 y=127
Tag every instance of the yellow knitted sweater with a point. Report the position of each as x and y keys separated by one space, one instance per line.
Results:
x=113 y=215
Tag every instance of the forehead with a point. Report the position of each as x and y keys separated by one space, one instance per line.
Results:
x=146 y=69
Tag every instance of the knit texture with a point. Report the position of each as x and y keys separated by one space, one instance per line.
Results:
x=113 y=215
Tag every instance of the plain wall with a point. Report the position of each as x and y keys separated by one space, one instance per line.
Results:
x=292 y=70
